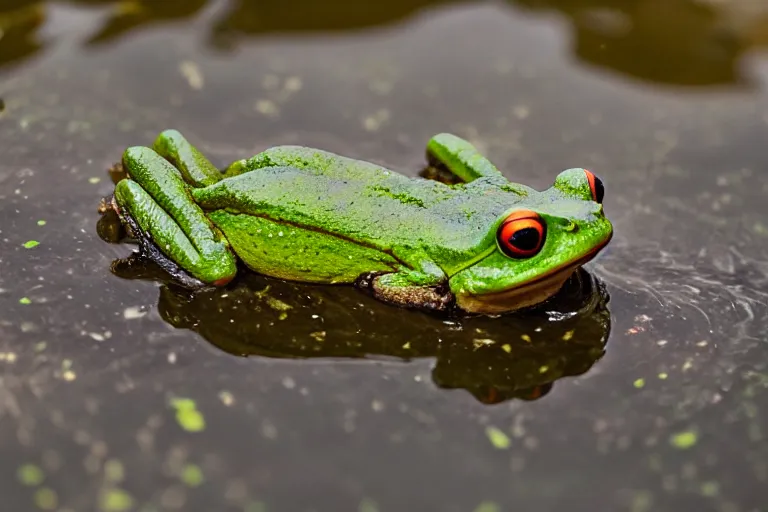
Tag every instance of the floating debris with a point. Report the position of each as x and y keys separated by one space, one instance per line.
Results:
x=226 y=398
x=133 y=312
x=191 y=71
x=482 y=342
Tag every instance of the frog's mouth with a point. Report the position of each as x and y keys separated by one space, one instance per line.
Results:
x=527 y=294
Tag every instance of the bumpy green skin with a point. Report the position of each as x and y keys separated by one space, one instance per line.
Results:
x=308 y=215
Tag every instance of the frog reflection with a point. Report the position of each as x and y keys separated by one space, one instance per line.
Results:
x=517 y=356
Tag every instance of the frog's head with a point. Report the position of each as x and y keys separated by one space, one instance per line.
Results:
x=533 y=248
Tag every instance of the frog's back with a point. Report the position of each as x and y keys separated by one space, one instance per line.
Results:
x=385 y=210
x=322 y=163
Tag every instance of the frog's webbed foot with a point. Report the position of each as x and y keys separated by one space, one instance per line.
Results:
x=156 y=208
x=432 y=298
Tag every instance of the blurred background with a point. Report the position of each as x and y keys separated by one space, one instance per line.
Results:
x=643 y=387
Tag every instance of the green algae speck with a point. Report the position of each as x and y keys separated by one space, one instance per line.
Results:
x=498 y=439
x=684 y=440
x=31 y=475
x=115 y=500
x=187 y=415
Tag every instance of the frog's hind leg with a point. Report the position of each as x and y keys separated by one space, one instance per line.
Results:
x=160 y=208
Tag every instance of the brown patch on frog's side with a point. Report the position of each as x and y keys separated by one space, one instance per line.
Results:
x=431 y=298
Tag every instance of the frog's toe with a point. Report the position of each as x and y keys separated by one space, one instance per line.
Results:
x=107 y=204
x=224 y=281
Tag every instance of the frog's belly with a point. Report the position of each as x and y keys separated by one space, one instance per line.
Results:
x=299 y=254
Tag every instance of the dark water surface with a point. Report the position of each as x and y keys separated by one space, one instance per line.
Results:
x=121 y=394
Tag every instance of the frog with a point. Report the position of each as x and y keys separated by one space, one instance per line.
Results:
x=477 y=244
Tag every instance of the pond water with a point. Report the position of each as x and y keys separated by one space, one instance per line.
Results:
x=129 y=394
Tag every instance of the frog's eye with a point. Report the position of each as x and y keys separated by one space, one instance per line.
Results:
x=521 y=235
x=595 y=186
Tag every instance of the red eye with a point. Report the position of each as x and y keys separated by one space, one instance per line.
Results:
x=596 y=186
x=521 y=235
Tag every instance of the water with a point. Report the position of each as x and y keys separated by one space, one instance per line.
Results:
x=656 y=402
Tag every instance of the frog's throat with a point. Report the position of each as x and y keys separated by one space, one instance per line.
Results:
x=526 y=294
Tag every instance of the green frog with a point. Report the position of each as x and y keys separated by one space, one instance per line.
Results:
x=482 y=244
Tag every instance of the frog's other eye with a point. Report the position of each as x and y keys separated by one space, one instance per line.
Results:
x=595 y=186
x=521 y=235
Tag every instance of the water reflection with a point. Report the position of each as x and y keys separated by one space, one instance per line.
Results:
x=129 y=16
x=20 y=21
x=681 y=42
x=516 y=356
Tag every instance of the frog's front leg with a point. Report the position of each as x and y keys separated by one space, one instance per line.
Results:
x=423 y=287
x=462 y=159
x=156 y=202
